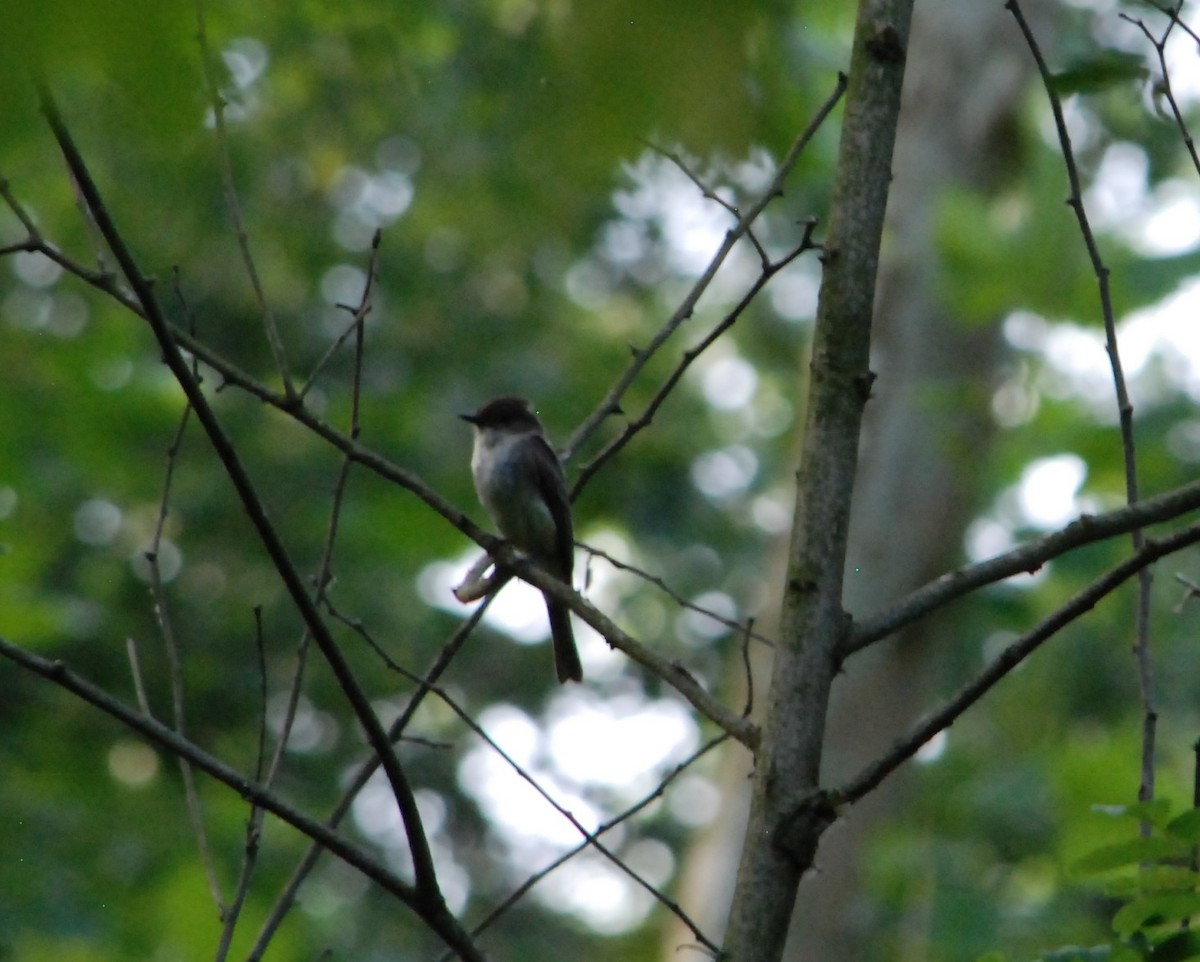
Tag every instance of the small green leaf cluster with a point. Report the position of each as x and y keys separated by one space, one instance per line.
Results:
x=1152 y=878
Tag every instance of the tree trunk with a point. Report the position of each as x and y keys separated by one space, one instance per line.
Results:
x=915 y=493
x=788 y=814
x=926 y=434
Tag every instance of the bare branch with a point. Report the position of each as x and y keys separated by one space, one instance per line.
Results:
x=1164 y=85
x=135 y=669
x=171 y=741
x=217 y=102
x=745 y=628
x=287 y=897
x=1124 y=409
x=671 y=672
x=709 y=194
x=608 y=826
x=633 y=427
x=590 y=838
x=143 y=291
x=358 y=317
x=166 y=627
x=254 y=821
x=1026 y=558
x=1013 y=655
x=611 y=404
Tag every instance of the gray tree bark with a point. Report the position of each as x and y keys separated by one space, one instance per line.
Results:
x=788 y=812
x=915 y=491
x=926 y=436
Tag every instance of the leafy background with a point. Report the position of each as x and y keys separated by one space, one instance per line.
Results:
x=530 y=236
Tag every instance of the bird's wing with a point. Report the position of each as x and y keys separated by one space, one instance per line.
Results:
x=548 y=472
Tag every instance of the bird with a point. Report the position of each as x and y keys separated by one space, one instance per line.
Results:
x=521 y=485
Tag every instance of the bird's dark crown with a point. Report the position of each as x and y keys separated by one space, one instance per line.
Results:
x=508 y=410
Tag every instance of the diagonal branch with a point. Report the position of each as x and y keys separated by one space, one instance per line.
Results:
x=427 y=887
x=287 y=897
x=170 y=740
x=1087 y=529
x=744 y=730
x=1013 y=655
x=602 y=829
x=611 y=403
x=633 y=427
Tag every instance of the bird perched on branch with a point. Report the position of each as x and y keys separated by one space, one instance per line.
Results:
x=520 y=482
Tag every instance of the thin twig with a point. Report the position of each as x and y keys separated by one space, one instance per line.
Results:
x=171 y=741
x=287 y=896
x=135 y=669
x=217 y=102
x=254 y=821
x=590 y=838
x=358 y=316
x=523 y=889
x=675 y=596
x=431 y=907
x=740 y=728
x=709 y=193
x=748 y=708
x=1164 y=86
x=1173 y=13
x=611 y=403
x=1124 y=409
x=633 y=427
x=166 y=627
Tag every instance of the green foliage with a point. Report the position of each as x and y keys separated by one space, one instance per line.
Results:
x=1099 y=72
x=502 y=145
x=487 y=141
x=1151 y=875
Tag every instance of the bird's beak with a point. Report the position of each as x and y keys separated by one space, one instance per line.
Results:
x=469 y=418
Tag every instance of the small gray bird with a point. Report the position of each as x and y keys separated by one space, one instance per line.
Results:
x=519 y=480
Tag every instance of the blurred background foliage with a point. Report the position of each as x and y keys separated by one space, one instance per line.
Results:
x=530 y=236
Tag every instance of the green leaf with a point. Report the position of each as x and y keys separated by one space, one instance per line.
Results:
x=1155 y=910
x=1156 y=811
x=1186 y=825
x=1129 y=853
x=1151 y=879
x=1110 y=68
x=1177 y=948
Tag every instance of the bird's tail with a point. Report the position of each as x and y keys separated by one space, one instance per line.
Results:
x=566 y=655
